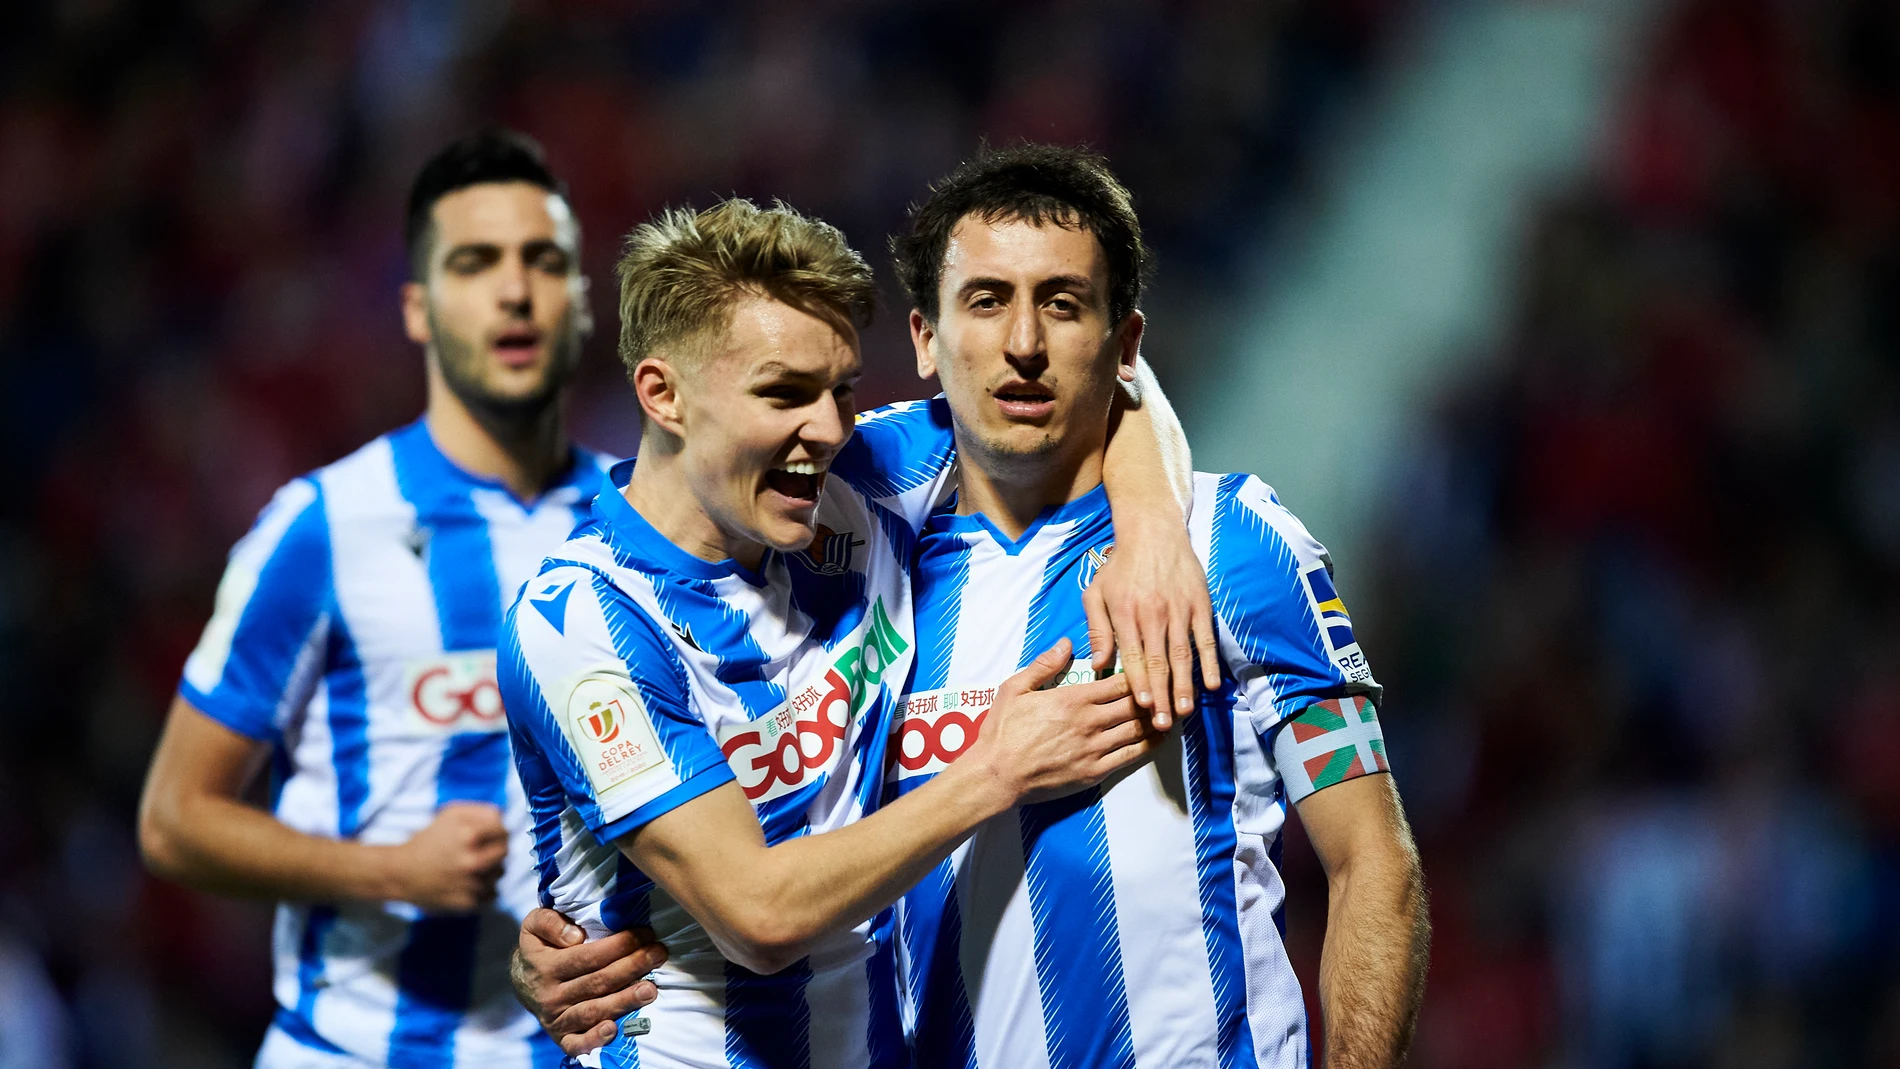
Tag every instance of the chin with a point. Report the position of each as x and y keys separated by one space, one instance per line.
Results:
x=789 y=534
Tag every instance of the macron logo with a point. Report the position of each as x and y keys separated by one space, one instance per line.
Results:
x=552 y=604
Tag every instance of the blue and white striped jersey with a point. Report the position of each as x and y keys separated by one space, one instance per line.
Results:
x=1138 y=924
x=637 y=677
x=355 y=631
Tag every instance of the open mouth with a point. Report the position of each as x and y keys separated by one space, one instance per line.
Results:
x=517 y=346
x=800 y=481
x=1023 y=399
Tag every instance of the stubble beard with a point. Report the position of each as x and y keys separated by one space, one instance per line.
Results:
x=462 y=364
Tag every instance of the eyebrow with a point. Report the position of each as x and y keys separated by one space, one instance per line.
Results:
x=1079 y=283
x=777 y=369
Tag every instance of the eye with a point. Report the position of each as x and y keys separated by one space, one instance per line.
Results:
x=985 y=302
x=1065 y=306
x=552 y=260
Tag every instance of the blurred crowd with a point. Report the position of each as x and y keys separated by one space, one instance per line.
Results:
x=200 y=213
x=1637 y=610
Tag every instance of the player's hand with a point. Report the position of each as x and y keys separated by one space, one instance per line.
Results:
x=451 y=866
x=578 y=990
x=1149 y=601
x=1043 y=744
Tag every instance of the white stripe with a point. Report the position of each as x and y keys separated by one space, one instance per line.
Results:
x=998 y=953
x=1169 y=980
x=204 y=669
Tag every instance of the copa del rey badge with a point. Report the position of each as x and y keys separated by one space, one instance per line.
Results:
x=608 y=725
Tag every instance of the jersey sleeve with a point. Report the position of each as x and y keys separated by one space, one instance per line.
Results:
x=598 y=694
x=261 y=653
x=1288 y=641
x=903 y=456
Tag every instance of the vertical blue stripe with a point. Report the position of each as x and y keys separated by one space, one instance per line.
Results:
x=943 y=571
x=1066 y=868
x=348 y=700
x=884 y=1039
x=725 y=633
x=768 y=1022
x=317 y=922
x=1208 y=740
x=434 y=974
x=933 y=938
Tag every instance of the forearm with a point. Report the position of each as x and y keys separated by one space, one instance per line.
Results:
x=1372 y=965
x=224 y=846
x=764 y=906
x=1146 y=467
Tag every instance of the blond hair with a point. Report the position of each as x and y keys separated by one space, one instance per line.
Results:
x=681 y=274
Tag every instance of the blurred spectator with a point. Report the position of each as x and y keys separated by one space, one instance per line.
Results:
x=1642 y=585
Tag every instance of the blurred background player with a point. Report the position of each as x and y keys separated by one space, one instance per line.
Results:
x=352 y=649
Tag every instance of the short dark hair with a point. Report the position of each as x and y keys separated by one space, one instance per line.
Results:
x=492 y=155
x=1070 y=187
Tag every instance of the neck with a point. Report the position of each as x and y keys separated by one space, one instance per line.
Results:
x=522 y=452
x=1013 y=490
x=663 y=496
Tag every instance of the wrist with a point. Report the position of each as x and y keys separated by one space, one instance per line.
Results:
x=384 y=874
x=977 y=786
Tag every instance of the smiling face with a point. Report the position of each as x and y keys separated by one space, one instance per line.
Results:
x=758 y=418
x=501 y=307
x=1023 y=342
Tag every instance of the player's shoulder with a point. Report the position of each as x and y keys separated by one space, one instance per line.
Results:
x=1246 y=523
x=583 y=608
x=898 y=447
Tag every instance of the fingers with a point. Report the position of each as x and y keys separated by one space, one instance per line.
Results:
x=1154 y=654
x=1134 y=661
x=550 y=929
x=614 y=976
x=1132 y=754
x=1180 y=662
x=593 y=1039
x=1101 y=634
x=1101 y=692
x=1048 y=664
x=1206 y=642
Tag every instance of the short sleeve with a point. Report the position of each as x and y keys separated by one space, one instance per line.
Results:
x=903 y=456
x=1288 y=641
x=599 y=695
x=261 y=653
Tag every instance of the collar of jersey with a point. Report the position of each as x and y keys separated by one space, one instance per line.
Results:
x=578 y=467
x=948 y=520
x=632 y=533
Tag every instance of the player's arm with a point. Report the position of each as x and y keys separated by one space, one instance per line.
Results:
x=1378 y=935
x=1150 y=600
x=195 y=828
x=763 y=905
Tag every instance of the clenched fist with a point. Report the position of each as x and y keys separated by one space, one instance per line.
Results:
x=451 y=866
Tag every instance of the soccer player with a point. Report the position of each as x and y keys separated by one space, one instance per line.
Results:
x=353 y=647
x=701 y=682
x=1138 y=924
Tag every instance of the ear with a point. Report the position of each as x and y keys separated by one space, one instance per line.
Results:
x=922 y=338
x=657 y=385
x=1128 y=345
x=415 y=313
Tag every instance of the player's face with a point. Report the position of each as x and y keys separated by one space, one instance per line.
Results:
x=1023 y=342
x=503 y=307
x=763 y=415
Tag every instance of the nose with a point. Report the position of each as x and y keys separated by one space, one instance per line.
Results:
x=515 y=294
x=830 y=426
x=1025 y=343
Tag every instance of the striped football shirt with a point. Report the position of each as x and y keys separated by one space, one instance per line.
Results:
x=355 y=631
x=1138 y=924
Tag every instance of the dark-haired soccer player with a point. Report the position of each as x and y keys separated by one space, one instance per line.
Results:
x=353 y=647
x=1134 y=926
